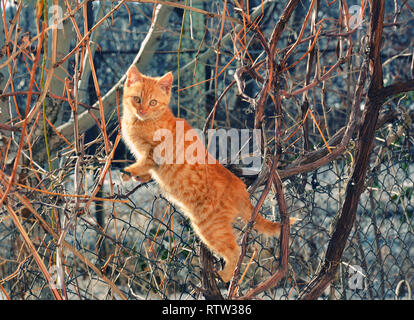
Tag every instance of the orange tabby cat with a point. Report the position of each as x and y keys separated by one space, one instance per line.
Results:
x=209 y=194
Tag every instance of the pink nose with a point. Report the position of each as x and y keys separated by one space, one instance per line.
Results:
x=142 y=111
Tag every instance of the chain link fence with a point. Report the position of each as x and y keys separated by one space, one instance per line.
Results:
x=147 y=249
x=130 y=242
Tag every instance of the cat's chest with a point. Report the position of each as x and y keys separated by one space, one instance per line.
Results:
x=135 y=137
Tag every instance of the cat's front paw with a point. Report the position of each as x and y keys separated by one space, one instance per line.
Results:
x=131 y=170
x=125 y=176
x=144 y=178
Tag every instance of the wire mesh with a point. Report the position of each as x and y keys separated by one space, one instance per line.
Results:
x=145 y=247
x=148 y=249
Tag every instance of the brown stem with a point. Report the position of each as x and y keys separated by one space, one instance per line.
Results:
x=210 y=289
x=355 y=185
x=245 y=237
x=284 y=243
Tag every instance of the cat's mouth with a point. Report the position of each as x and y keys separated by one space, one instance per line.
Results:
x=146 y=115
x=139 y=116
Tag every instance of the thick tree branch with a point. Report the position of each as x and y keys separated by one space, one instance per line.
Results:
x=396 y=88
x=355 y=185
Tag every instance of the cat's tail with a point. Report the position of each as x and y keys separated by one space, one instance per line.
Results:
x=262 y=225
x=269 y=228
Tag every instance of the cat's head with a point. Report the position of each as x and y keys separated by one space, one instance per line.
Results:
x=146 y=97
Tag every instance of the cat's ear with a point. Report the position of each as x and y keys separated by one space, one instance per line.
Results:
x=133 y=76
x=165 y=82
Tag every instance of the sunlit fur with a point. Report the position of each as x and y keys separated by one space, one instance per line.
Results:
x=209 y=194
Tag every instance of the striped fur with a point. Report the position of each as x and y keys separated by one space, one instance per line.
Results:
x=209 y=194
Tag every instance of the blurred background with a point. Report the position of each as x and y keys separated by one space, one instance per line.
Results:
x=67 y=217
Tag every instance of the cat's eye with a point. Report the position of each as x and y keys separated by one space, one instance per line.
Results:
x=153 y=103
x=137 y=99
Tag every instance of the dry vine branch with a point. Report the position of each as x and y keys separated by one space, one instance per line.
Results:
x=356 y=183
x=272 y=59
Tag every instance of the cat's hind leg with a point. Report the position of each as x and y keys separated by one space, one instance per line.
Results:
x=217 y=233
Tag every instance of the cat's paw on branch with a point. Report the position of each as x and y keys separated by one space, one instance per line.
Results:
x=127 y=176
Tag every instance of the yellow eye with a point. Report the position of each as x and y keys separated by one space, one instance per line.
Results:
x=153 y=103
x=137 y=99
